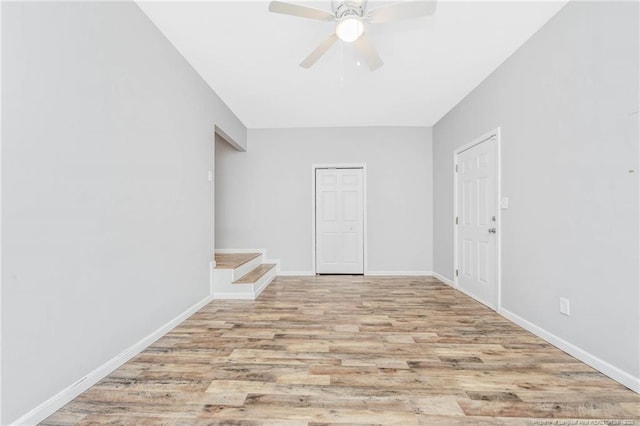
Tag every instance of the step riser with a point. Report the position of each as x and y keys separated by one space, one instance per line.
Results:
x=263 y=282
x=242 y=270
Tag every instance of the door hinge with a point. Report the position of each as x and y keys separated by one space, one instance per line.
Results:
x=456 y=220
x=456 y=168
x=456 y=272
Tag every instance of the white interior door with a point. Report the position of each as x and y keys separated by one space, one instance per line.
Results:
x=476 y=220
x=339 y=221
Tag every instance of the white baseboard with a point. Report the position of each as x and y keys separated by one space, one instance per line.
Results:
x=444 y=279
x=368 y=273
x=604 y=367
x=226 y=251
x=399 y=273
x=65 y=396
x=243 y=296
x=232 y=296
x=476 y=298
x=296 y=273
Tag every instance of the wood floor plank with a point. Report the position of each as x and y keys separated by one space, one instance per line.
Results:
x=351 y=350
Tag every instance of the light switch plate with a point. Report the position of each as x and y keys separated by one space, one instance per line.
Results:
x=504 y=203
x=564 y=306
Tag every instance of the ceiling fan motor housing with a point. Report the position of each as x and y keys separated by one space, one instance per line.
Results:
x=343 y=9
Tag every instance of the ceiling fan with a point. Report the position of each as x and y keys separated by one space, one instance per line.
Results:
x=351 y=16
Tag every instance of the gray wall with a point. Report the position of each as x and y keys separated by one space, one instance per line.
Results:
x=107 y=138
x=565 y=103
x=264 y=195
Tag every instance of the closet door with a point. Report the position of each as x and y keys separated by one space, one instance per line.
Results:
x=339 y=221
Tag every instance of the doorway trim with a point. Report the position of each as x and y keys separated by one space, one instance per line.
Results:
x=494 y=134
x=314 y=167
x=222 y=136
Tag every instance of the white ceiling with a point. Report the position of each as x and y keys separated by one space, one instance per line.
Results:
x=250 y=58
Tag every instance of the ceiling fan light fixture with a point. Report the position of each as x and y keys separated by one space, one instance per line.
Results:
x=349 y=29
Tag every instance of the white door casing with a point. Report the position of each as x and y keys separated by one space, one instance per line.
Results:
x=339 y=221
x=477 y=221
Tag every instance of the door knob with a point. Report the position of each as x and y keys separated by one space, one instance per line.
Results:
x=492 y=230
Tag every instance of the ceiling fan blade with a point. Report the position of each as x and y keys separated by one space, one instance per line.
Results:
x=364 y=45
x=300 y=11
x=404 y=10
x=319 y=51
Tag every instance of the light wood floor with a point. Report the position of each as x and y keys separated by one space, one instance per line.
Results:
x=354 y=350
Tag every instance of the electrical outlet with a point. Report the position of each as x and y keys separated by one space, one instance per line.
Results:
x=210 y=176
x=564 y=306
